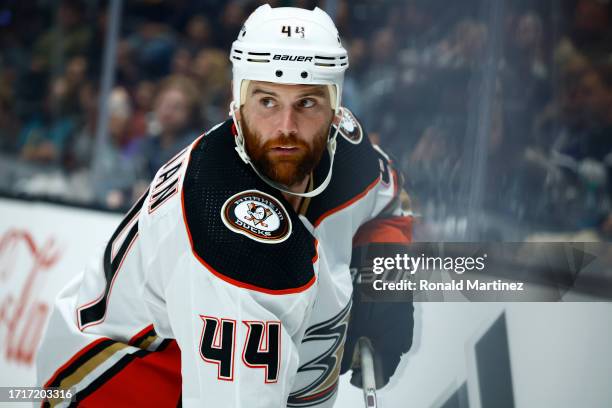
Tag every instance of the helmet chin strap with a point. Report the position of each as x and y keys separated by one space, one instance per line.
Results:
x=241 y=149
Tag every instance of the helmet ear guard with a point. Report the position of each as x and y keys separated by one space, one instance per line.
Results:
x=289 y=46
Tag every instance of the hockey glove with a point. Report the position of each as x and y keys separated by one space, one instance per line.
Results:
x=388 y=324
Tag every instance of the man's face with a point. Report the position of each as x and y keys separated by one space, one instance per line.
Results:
x=285 y=128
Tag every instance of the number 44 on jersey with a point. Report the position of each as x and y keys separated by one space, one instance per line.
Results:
x=261 y=348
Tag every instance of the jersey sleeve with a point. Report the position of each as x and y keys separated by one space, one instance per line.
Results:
x=388 y=325
x=391 y=198
x=100 y=342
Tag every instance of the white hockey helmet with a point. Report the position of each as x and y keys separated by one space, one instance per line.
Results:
x=288 y=45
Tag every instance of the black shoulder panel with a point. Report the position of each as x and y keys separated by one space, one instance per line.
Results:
x=356 y=168
x=215 y=177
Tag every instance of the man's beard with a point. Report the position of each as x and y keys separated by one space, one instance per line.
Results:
x=286 y=170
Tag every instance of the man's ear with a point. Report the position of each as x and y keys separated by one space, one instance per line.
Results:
x=337 y=117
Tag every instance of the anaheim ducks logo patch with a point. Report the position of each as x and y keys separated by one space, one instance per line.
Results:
x=350 y=128
x=258 y=216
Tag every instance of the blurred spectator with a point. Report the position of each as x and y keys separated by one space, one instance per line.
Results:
x=80 y=151
x=230 y=21
x=591 y=29
x=44 y=135
x=199 y=34
x=31 y=87
x=98 y=38
x=590 y=137
x=380 y=80
x=212 y=72
x=117 y=167
x=527 y=49
x=75 y=76
x=182 y=61
x=366 y=17
x=578 y=155
x=142 y=116
x=414 y=21
x=352 y=98
x=47 y=129
x=9 y=123
x=176 y=124
x=153 y=45
x=431 y=160
x=127 y=70
x=68 y=38
x=76 y=72
x=525 y=76
x=342 y=19
x=465 y=47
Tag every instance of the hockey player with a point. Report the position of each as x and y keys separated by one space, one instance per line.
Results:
x=228 y=283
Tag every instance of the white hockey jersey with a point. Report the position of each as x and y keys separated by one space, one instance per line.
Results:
x=214 y=292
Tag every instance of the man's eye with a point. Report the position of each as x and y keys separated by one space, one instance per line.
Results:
x=267 y=102
x=307 y=103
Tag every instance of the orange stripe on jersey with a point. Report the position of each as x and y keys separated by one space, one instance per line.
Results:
x=397 y=230
x=347 y=203
x=315 y=258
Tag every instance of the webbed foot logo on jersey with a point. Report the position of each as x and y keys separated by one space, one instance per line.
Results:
x=317 y=378
x=258 y=216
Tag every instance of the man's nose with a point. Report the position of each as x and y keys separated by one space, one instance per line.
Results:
x=288 y=121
